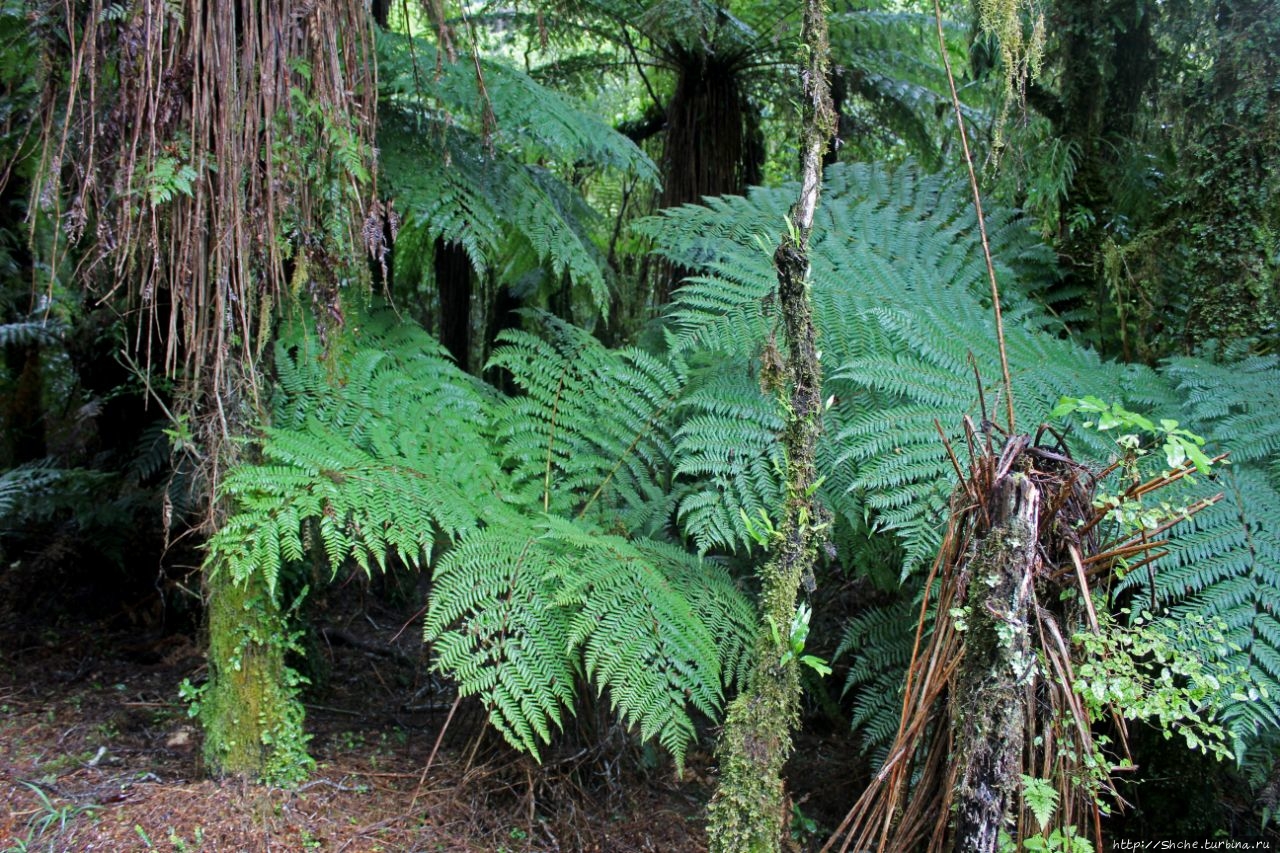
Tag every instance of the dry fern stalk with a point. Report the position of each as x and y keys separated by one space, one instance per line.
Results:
x=989 y=695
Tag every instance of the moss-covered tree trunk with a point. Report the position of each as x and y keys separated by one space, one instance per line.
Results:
x=252 y=719
x=1231 y=208
x=749 y=811
x=990 y=711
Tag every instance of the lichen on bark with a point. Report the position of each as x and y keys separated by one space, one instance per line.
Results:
x=991 y=710
x=749 y=811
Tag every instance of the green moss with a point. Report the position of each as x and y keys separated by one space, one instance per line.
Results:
x=250 y=710
x=750 y=810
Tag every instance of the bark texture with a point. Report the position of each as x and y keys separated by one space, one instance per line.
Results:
x=998 y=667
x=749 y=812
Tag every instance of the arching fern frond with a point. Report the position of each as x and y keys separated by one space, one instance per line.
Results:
x=492 y=187
x=1224 y=564
x=1236 y=401
x=657 y=630
x=353 y=455
x=27 y=332
x=529 y=118
x=498 y=630
x=516 y=608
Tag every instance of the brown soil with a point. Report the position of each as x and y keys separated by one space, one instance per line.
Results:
x=97 y=753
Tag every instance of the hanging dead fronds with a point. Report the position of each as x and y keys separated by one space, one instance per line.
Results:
x=219 y=157
x=990 y=695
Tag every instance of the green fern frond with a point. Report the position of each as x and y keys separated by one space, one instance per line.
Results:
x=729 y=457
x=30 y=332
x=1236 y=401
x=650 y=622
x=514 y=608
x=23 y=488
x=353 y=455
x=592 y=430
x=880 y=640
x=493 y=189
x=530 y=118
x=498 y=630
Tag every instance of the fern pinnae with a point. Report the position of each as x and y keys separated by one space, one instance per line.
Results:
x=653 y=420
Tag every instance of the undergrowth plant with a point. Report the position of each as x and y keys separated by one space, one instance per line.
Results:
x=903 y=312
x=522 y=510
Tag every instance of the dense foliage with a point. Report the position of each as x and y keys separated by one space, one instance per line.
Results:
x=564 y=408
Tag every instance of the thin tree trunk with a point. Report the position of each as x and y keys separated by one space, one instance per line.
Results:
x=453 y=277
x=749 y=811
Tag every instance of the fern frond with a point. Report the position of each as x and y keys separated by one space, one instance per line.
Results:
x=27 y=332
x=1236 y=402
x=593 y=428
x=22 y=488
x=530 y=118
x=650 y=621
x=515 y=607
x=354 y=455
x=1225 y=565
x=729 y=455
x=498 y=630
x=880 y=639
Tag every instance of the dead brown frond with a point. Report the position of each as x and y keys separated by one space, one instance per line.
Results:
x=989 y=694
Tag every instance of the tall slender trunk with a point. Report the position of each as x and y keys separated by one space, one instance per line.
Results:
x=749 y=811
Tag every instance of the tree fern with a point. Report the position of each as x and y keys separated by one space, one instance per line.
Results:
x=893 y=249
x=510 y=499
x=900 y=299
x=487 y=186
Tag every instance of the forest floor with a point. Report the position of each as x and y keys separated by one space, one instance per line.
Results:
x=97 y=753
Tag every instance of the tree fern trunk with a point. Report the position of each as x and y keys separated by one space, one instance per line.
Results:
x=252 y=722
x=452 y=270
x=713 y=144
x=749 y=811
x=990 y=715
